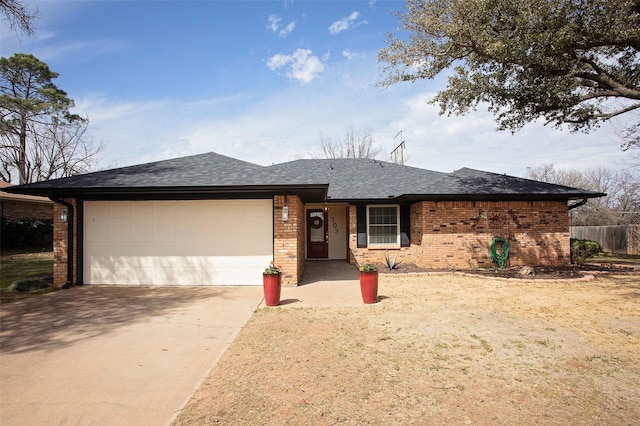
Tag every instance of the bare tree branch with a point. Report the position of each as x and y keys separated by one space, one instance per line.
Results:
x=18 y=16
x=354 y=144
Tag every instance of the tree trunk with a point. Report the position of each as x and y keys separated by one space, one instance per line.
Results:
x=22 y=154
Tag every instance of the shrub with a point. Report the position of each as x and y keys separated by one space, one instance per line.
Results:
x=581 y=250
x=26 y=233
x=29 y=284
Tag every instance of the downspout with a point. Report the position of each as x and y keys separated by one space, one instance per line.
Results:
x=69 y=207
x=579 y=203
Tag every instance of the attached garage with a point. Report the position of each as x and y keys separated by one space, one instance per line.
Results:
x=203 y=242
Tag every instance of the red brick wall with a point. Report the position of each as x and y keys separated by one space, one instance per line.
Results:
x=443 y=235
x=26 y=210
x=458 y=234
x=377 y=255
x=288 y=238
x=60 y=246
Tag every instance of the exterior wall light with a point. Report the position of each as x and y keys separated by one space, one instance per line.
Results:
x=64 y=215
x=285 y=213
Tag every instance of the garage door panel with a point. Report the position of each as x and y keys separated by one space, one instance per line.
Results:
x=101 y=232
x=141 y=210
x=174 y=270
x=122 y=231
x=121 y=211
x=177 y=243
x=142 y=233
x=164 y=211
x=188 y=209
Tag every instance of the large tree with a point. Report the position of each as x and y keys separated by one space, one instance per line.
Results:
x=39 y=137
x=574 y=62
x=18 y=16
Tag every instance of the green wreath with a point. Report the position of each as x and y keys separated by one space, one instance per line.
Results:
x=316 y=223
x=500 y=259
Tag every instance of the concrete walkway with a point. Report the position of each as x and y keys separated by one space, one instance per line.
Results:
x=325 y=283
x=103 y=355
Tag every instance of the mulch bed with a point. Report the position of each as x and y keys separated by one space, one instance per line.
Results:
x=518 y=272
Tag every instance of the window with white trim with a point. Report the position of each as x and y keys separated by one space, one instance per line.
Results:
x=383 y=225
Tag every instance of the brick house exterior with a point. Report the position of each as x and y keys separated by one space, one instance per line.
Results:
x=18 y=206
x=458 y=234
x=349 y=209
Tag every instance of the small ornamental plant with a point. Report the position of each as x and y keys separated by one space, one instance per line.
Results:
x=272 y=269
x=368 y=266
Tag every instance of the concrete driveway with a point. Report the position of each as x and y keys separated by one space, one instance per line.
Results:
x=114 y=355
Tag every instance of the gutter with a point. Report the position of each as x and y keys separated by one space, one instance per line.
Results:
x=69 y=207
x=579 y=203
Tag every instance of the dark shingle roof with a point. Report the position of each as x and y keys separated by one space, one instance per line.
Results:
x=209 y=169
x=364 y=179
x=493 y=183
x=350 y=179
x=346 y=180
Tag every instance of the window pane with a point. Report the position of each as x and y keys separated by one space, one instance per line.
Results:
x=383 y=234
x=383 y=215
x=316 y=227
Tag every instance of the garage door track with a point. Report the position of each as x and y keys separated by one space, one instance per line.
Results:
x=114 y=355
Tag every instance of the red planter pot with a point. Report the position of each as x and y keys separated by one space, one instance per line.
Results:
x=369 y=286
x=271 y=286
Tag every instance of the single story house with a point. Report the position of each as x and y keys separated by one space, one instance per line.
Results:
x=18 y=206
x=214 y=220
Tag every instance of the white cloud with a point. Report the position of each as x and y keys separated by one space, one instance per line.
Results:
x=273 y=24
x=346 y=23
x=278 y=61
x=286 y=30
x=350 y=55
x=99 y=109
x=301 y=65
x=48 y=47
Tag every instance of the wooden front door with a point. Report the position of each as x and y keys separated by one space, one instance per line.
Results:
x=317 y=235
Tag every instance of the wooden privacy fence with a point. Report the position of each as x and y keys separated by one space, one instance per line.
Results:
x=615 y=239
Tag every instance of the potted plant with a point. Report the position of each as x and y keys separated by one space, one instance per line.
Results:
x=369 y=282
x=271 y=284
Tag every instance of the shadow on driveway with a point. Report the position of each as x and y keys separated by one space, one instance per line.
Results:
x=109 y=354
x=90 y=311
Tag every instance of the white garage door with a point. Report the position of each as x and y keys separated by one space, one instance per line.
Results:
x=212 y=242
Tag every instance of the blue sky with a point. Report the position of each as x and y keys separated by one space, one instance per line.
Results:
x=262 y=80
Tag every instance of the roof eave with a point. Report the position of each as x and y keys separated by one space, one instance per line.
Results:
x=309 y=193
x=470 y=197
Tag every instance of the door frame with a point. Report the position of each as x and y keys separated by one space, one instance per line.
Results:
x=325 y=244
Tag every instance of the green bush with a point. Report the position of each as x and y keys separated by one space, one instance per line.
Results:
x=26 y=233
x=581 y=250
x=30 y=284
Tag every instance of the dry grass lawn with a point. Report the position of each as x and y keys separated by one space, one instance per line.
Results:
x=446 y=349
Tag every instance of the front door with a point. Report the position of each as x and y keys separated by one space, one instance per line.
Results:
x=317 y=235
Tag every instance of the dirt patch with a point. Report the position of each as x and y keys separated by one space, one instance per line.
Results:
x=438 y=349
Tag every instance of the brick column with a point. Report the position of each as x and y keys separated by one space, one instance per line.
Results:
x=288 y=238
x=60 y=245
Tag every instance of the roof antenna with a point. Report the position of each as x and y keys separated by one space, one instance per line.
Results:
x=397 y=155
